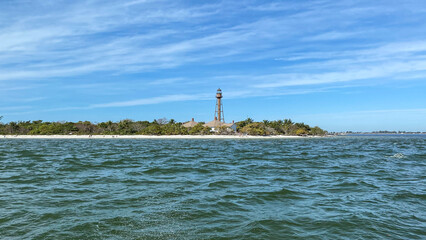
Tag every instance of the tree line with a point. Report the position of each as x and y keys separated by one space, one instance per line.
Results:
x=156 y=127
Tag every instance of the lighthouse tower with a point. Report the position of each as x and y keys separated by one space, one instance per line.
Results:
x=218 y=115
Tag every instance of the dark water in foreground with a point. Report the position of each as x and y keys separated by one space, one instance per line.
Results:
x=335 y=188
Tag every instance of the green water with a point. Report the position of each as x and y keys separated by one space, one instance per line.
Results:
x=329 y=188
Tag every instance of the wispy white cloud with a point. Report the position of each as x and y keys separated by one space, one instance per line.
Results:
x=333 y=35
x=130 y=103
x=73 y=46
x=231 y=94
x=165 y=81
x=170 y=45
x=373 y=72
x=29 y=99
x=412 y=114
x=154 y=100
x=14 y=108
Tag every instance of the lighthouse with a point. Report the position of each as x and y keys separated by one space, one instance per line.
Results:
x=218 y=124
x=219 y=119
x=218 y=115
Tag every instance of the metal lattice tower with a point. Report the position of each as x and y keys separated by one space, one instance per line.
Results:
x=218 y=114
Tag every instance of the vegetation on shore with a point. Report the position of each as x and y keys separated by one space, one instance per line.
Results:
x=156 y=127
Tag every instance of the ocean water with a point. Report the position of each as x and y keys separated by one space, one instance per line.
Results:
x=320 y=188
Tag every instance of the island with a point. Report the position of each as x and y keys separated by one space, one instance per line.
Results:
x=160 y=127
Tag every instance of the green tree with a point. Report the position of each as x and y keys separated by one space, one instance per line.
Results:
x=125 y=127
x=301 y=132
x=288 y=127
x=318 y=131
x=276 y=127
x=156 y=127
x=173 y=128
x=242 y=124
x=255 y=128
x=199 y=129
x=153 y=129
x=107 y=127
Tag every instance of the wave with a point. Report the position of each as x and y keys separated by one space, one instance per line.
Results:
x=398 y=155
x=279 y=195
x=409 y=195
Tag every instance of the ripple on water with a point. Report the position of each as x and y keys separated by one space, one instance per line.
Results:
x=331 y=188
x=398 y=155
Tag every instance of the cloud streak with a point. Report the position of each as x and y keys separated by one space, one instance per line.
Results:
x=97 y=54
x=154 y=100
x=82 y=41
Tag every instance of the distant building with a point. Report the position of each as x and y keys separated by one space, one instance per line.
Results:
x=216 y=124
x=190 y=124
x=219 y=117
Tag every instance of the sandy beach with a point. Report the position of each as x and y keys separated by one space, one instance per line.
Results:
x=148 y=137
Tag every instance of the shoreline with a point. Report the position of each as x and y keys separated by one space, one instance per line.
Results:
x=152 y=137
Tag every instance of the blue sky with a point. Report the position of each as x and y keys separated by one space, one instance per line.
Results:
x=341 y=65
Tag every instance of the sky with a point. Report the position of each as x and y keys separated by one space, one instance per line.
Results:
x=341 y=65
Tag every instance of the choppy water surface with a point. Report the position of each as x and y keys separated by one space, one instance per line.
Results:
x=329 y=188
